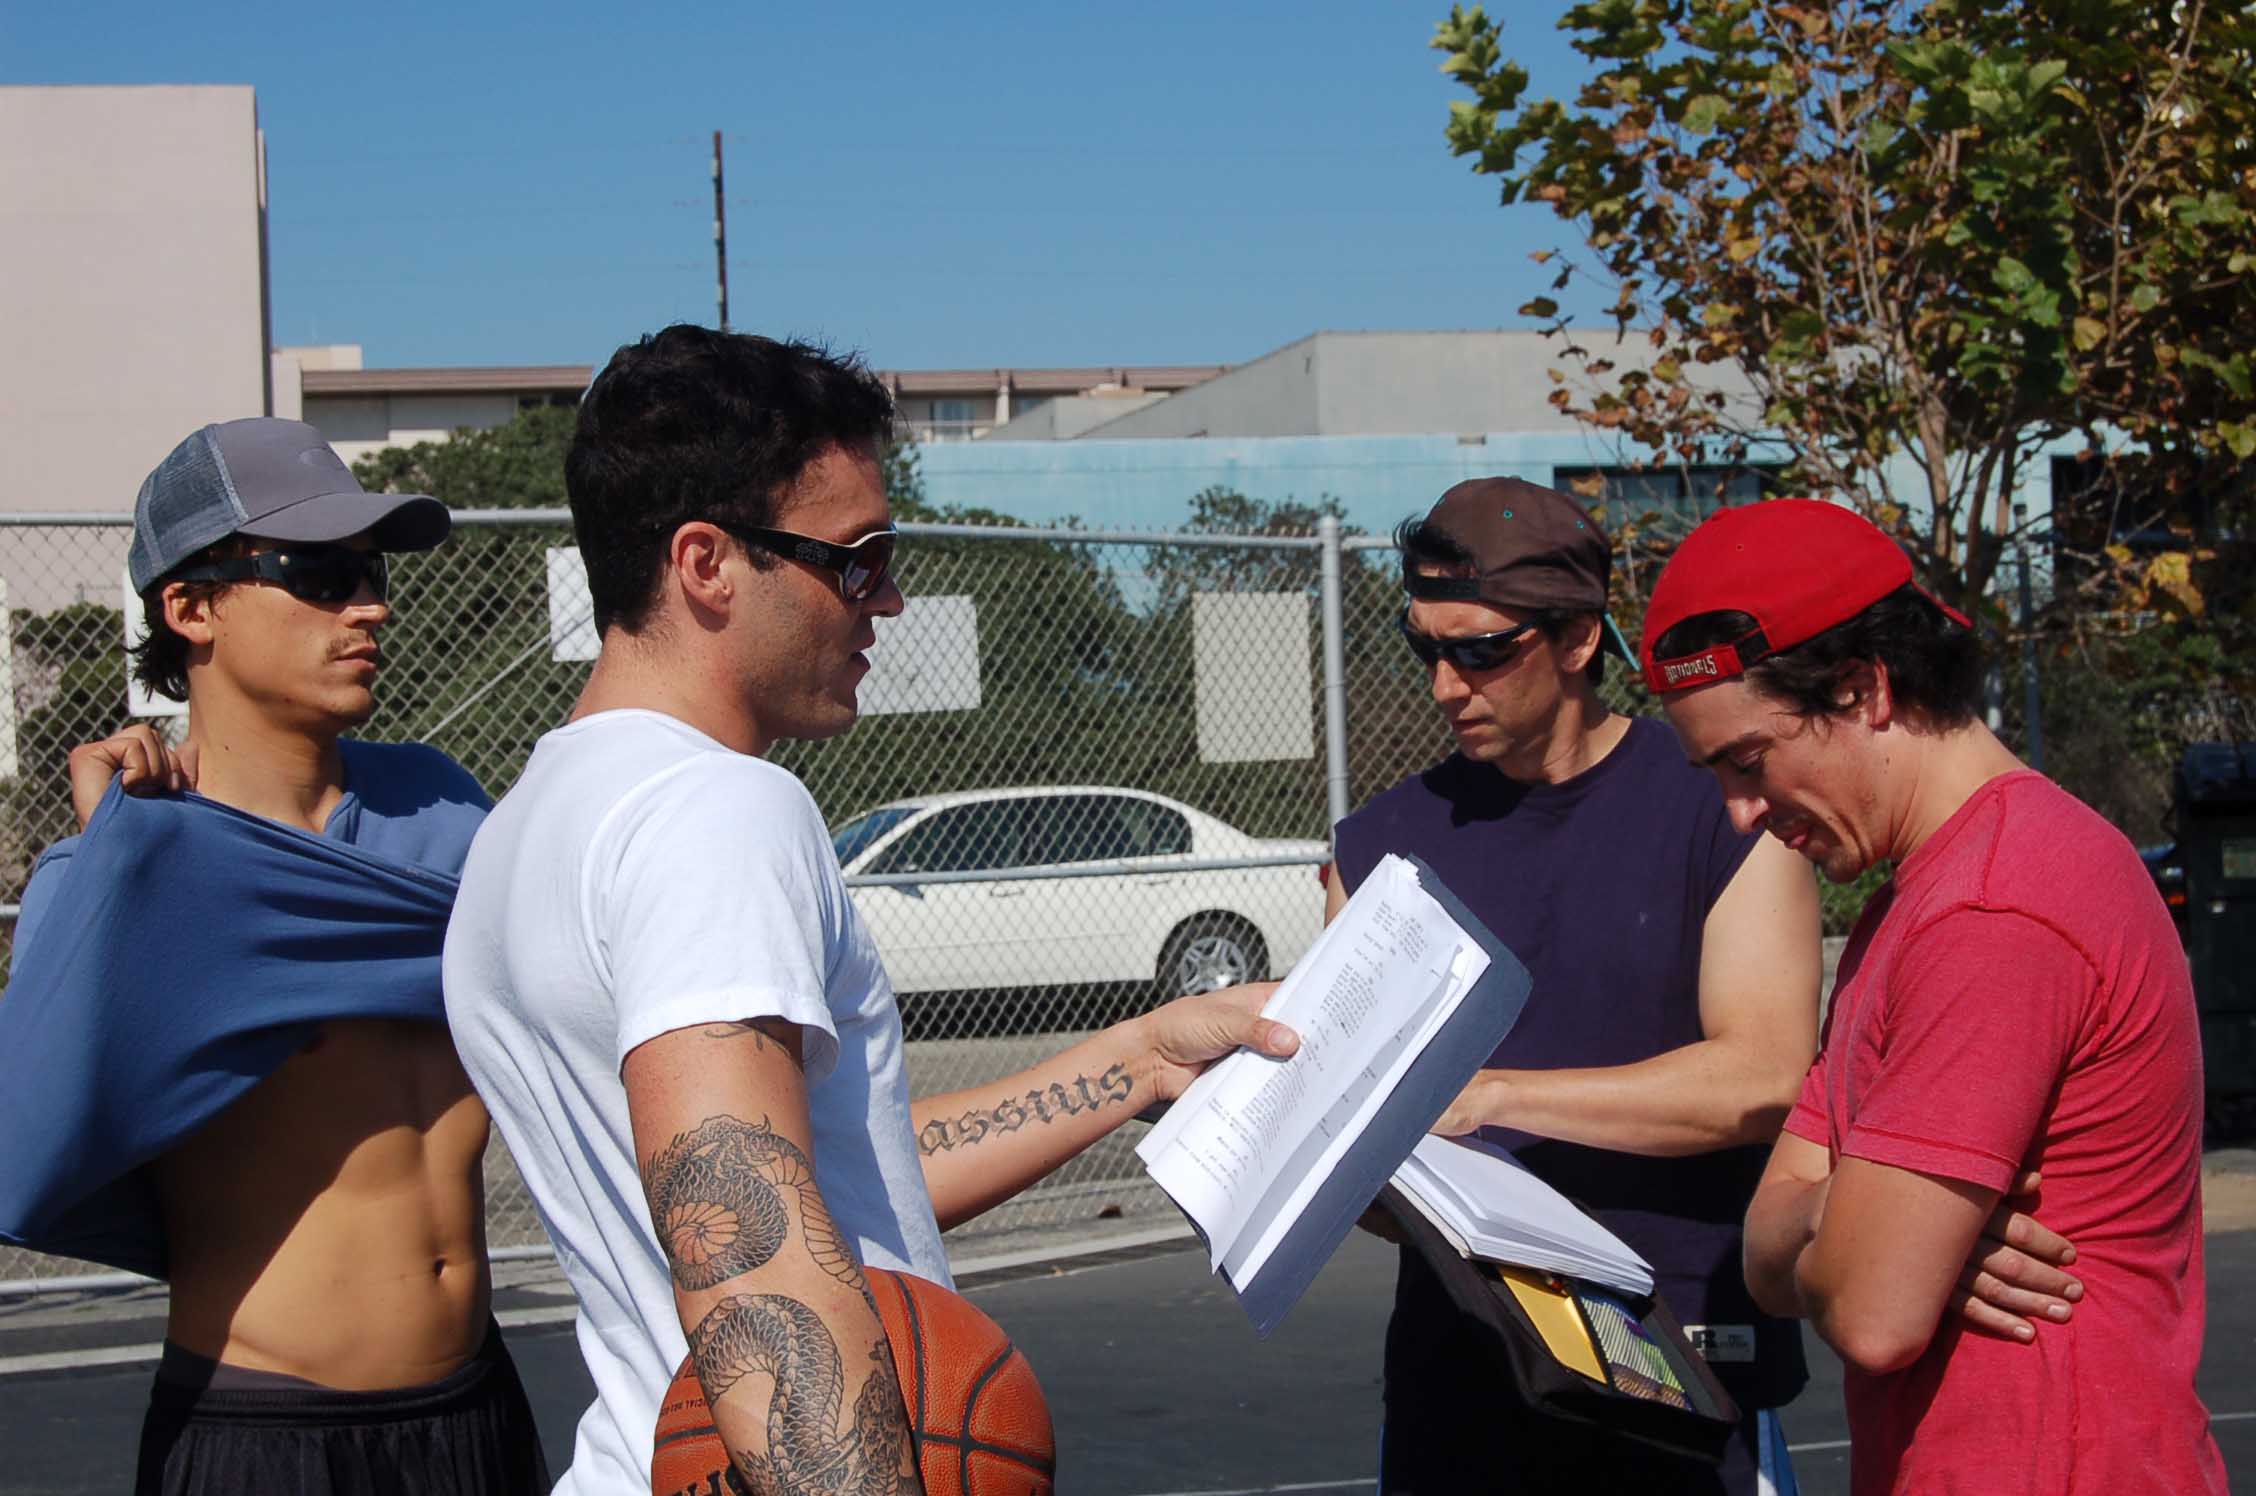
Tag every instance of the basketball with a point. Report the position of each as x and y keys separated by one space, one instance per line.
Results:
x=981 y=1425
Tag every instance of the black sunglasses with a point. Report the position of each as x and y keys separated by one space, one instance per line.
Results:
x=1465 y=651
x=314 y=574
x=860 y=567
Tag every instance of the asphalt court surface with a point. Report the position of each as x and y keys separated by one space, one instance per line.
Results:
x=1157 y=1384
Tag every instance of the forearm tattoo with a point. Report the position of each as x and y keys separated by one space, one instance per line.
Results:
x=1043 y=1105
x=717 y=1200
x=808 y=1452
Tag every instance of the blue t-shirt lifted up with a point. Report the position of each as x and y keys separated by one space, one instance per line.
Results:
x=176 y=954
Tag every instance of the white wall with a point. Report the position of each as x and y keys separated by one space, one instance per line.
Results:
x=1068 y=416
x=1275 y=395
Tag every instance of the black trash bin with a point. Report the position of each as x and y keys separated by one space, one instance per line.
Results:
x=2213 y=803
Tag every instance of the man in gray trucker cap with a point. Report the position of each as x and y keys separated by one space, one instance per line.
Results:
x=321 y=1218
x=271 y=479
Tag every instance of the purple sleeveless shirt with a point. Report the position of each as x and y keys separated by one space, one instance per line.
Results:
x=1601 y=886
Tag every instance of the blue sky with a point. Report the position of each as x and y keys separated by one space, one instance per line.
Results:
x=936 y=185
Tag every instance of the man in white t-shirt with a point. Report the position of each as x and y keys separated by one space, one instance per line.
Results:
x=657 y=980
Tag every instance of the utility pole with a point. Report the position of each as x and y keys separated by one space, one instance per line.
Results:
x=720 y=230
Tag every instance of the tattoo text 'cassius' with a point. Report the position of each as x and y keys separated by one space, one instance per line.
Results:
x=1060 y=1099
x=716 y=1199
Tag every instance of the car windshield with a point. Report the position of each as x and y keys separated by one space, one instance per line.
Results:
x=854 y=838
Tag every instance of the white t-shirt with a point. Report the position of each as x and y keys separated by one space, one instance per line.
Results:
x=641 y=878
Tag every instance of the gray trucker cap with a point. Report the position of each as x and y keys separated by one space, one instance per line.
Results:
x=275 y=479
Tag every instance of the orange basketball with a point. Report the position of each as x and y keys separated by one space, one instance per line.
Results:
x=981 y=1425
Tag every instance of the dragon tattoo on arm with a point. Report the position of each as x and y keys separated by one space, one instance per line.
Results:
x=718 y=1197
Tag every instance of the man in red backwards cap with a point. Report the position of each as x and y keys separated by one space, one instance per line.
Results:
x=2013 y=1002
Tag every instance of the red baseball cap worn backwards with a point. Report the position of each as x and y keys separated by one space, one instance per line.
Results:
x=1796 y=566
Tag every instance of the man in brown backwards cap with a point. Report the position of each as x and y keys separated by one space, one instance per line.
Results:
x=1675 y=1002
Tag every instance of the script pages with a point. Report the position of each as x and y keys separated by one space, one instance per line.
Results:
x=1255 y=1141
x=1487 y=1206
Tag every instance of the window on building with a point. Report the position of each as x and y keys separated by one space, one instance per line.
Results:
x=1687 y=492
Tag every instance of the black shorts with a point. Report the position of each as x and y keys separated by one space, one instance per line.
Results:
x=469 y=1432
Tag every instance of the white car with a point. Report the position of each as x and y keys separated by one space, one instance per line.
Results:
x=1177 y=929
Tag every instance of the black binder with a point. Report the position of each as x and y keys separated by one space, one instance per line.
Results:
x=1698 y=1424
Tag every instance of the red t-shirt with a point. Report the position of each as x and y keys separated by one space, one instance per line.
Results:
x=2017 y=998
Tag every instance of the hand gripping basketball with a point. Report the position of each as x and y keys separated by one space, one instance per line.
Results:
x=981 y=1425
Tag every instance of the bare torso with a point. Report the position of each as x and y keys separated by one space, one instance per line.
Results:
x=330 y=1224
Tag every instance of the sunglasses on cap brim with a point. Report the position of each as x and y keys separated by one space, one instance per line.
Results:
x=860 y=566
x=326 y=574
x=1464 y=651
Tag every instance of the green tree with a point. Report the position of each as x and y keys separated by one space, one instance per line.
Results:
x=468 y=664
x=70 y=689
x=474 y=671
x=1265 y=797
x=516 y=465
x=1058 y=668
x=1948 y=231
x=1393 y=729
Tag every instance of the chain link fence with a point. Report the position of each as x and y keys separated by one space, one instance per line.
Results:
x=1092 y=771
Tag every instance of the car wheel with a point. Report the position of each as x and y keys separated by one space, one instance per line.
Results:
x=1208 y=952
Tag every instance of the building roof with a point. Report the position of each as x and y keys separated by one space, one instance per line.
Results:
x=1063 y=381
x=1394 y=384
x=543 y=378
x=496 y=379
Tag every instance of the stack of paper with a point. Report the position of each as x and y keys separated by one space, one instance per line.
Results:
x=1274 y=1159
x=1488 y=1207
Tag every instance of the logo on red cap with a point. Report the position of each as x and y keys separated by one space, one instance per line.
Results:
x=1794 y=567
x=1676 y=672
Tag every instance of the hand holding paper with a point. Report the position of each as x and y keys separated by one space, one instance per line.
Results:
x=1186 y=1036
x=1273 y=1159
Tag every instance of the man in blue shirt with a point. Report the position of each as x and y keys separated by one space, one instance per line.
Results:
x=273 y=1116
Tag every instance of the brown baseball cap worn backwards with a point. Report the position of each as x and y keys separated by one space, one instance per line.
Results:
x=1533 y=548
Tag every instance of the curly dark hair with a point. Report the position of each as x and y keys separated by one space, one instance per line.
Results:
x=1935 y=664
x=1426 y=546
x=690 y=424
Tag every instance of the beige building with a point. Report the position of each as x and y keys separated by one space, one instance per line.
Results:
x=132 y=283
x=133 y=292
x=938 y=405
x=363 y=410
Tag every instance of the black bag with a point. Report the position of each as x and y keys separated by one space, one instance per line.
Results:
x=1686 y=1412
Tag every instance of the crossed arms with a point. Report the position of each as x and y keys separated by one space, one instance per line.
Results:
x=1873 y=1255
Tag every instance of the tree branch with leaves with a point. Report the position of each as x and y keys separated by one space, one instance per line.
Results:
x=1877 y=236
